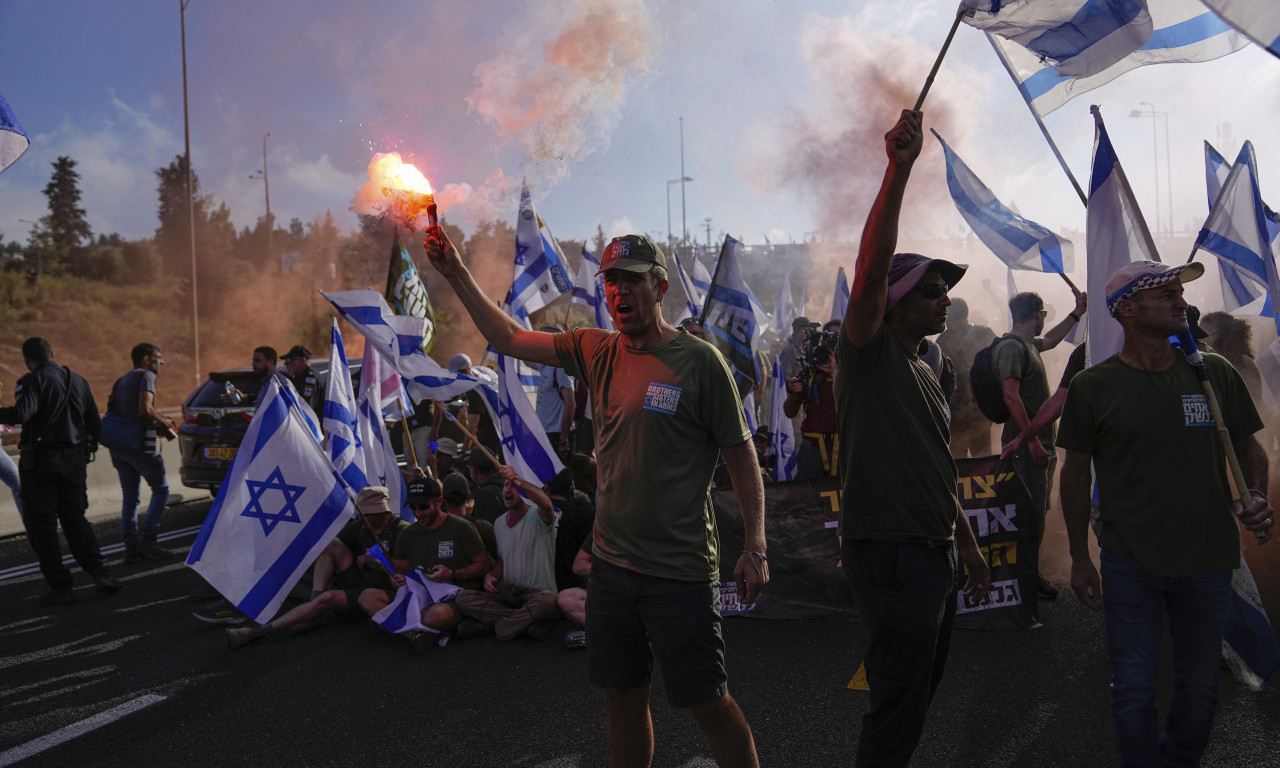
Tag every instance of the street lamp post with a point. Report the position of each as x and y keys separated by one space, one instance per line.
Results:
x=191 y=197
x=684 y=225
x=1152 y=113
x=671 y=239
x=266 y=185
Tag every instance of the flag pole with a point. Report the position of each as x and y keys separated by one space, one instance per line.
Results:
x=408 y=438
x=520 y=481
x=937 y=63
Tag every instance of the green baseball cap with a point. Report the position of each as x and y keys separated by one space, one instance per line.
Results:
x=634 y=253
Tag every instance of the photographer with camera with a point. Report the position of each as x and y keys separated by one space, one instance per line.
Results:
x=812 y=389
x=133 y=403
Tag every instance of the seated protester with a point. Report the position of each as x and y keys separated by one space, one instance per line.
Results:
x=345 y=565
x=457 y=492
x=519 y=594
x=487 y=488
x=444 y=546
x=577 y=518
x=573 y=600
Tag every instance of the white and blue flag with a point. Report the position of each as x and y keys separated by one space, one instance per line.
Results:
x=13 y=140
x=694 y=298
x=280 y=506
x=1018 y=242
x=1241 y=263
x=541 y=271
x=733 y=318
x=782 y=436
x=419 y=593
x=380 y=465
x=398 y=339
x=785 y=310
x=1078 y=38
x=1184 y=31
x=840 y=298
x=1259 y=20
x=525 y=445
x=339 y=415
x=1116 y=234
x=588 y=291
x=1248 y=641
x=528 y=374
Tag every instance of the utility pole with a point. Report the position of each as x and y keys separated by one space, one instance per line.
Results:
x=191 y=197
x=707 y=223
x=684 y=226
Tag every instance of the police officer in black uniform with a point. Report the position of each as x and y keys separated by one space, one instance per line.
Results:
x=60 y=428
x=297 y=361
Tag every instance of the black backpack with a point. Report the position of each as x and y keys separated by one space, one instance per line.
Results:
x=987 y=392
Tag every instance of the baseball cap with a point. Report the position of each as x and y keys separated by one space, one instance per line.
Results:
x=482 y=463
x=1193 y=323
x=448 y=446
x=422 y=489
x=800 y=322
x=373 y=500
x=456 y=488
x=297 y=351
x=1143 y=275
x=906 y=269
x=459 y=362
x=633 y=253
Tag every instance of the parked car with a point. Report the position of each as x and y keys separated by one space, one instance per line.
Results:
x=212 y=428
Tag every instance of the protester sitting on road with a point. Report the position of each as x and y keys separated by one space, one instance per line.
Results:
x=344 y=563
x=487 y=489
x=519 y=594
x=577 y=518
x=445 y=547
x=573 y=600
x=457 y=492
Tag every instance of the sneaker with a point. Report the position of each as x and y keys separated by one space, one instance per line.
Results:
x=131 y=553
x=540 y=630
x=58 y=597
x=238 y=636
x=220 y=612
x=470 y=628
x=420 y=642
x=103 y=582
x=576 y=641
x=1045 y=590
x=148 y=549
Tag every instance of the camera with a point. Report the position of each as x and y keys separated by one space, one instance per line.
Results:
x=816 y=350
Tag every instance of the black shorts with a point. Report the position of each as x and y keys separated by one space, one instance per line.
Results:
x=633 y=618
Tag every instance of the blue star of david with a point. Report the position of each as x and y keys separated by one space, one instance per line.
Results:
x=521 y=250
x=287 y=513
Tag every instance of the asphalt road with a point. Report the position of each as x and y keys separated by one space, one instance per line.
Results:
x=132 y=679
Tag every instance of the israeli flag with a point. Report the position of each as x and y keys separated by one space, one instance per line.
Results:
x=398 y=339
x=419 y=593
x=1248 y=642
x=541 y=271
x=1259 y=20
x=345 y=449
x=693 y=297
x=1078 y=37
x=13 y=140
x=525 y=445
x=1115 y=233
x=589 y=290
x=1018 y=242
x=1182 y=31
x=840 y=298
x=733 y=318
x=380 y=465
x=782 y=436
x=1241 y=230
x=785 y=310
x=281 y=504
x=528 y=374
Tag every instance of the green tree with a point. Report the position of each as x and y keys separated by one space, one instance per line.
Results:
x=61 y=233
x=599 y=242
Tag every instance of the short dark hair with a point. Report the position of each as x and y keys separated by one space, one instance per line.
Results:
x=142 y=350
x=561 y=484
x=959 y=310
x=267 y=352
x=37 y=350
x=1024 y=306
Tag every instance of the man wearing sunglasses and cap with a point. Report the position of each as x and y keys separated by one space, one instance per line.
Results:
x=900 y=518
x=1143 y=423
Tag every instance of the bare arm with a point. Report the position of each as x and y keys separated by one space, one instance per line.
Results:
x=1059 y=332
x=870 y=288
x=566 y=420
x=1075 y=490
x=795 y=398
x=498 y=328
x=1048 y=413
x=978 y=580
x=546 y=510
x=147 y=407
x=752 y=570
x=1258 y=516
x=582 y=562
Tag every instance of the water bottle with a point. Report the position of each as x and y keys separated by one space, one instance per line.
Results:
x=232 y=394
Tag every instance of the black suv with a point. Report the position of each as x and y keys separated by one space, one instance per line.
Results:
x=212 y=428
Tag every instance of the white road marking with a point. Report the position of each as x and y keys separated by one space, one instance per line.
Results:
x=50 y=740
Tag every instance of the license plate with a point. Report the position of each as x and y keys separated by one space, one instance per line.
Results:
x=219 y=452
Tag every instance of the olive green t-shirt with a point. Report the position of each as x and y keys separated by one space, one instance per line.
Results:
x=358 y=538
x=895 y=457
x=1017 y=358
x=660 y=417
x=1162 y=484
x=453 y=544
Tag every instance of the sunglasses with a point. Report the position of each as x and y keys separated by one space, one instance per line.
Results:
x=932 y=290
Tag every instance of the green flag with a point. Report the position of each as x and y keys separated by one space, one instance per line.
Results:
x=407 y=295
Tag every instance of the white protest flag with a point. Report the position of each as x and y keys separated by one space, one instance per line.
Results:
x=785 y=310
x=693 y=297
x=1116 y=234
x=398 y=339
x=525 y=445
x=380 y=465
x=305 y=413
x=541 y=271
x=588 y=291
x=1238 y=230
x=1248 y=641
x=840 y=297
x=733 y=318
x=281 y=504
x=1239 y=293
x=529 y=375
x=340 y=424
x=404 y=614
x=1077 y=37
x=391 y=394
x=13 y=140
x=1259 y=20
x=782 y=437
x=1018 y=242
x=1183 y=31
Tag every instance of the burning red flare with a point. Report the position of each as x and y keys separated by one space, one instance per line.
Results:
x=399 y=190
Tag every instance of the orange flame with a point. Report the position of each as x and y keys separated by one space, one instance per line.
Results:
x=397 y=189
